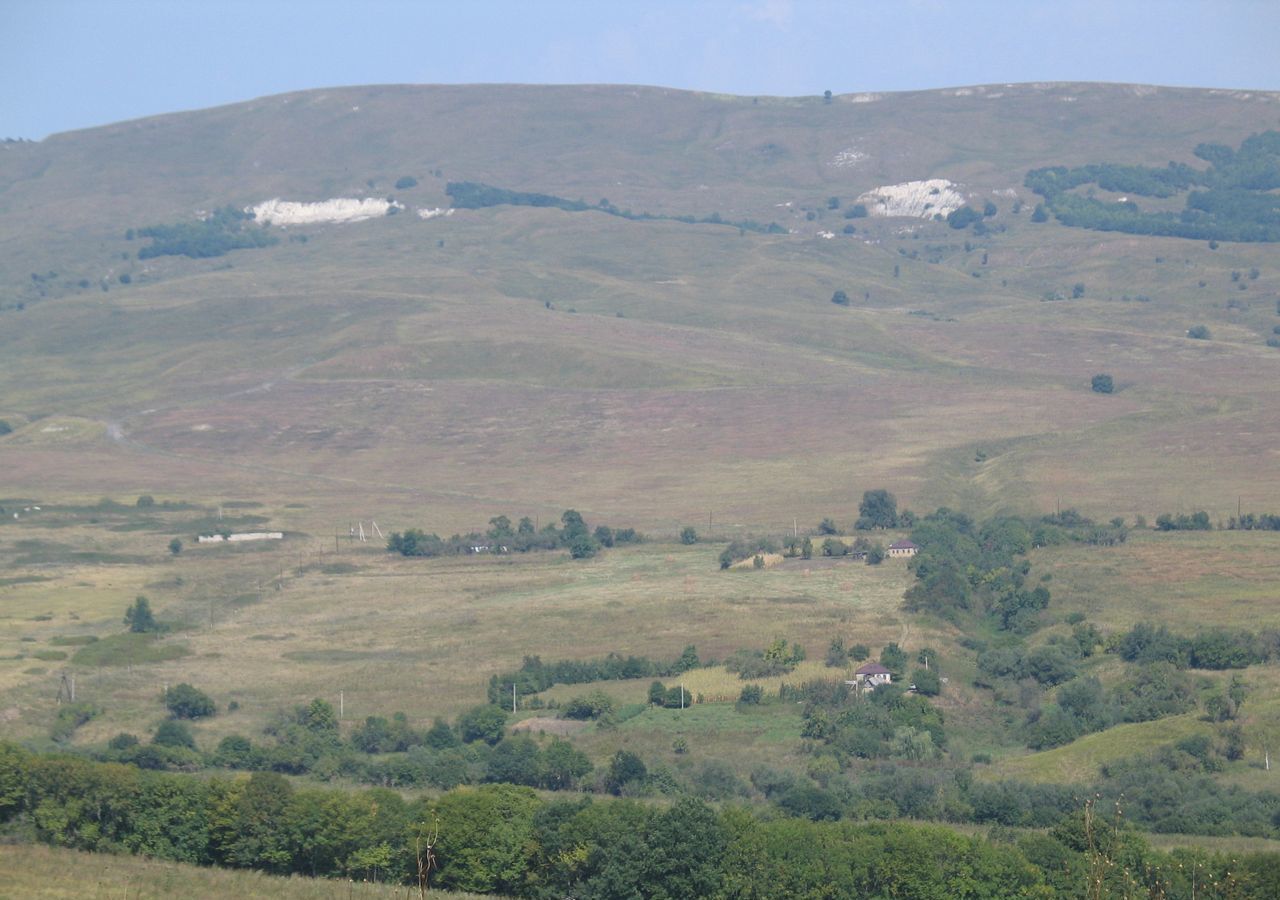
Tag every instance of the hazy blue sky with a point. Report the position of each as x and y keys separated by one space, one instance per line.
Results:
x=67 y=64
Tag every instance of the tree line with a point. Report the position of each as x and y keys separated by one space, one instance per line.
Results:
x=224 y=230
x=506 y=839
x=504 y=537
x=477 y=195
x=1234 y=203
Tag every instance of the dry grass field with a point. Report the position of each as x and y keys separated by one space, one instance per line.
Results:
x=47 y=873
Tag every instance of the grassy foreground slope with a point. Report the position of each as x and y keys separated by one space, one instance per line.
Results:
x=516 y=358
x=34 y=872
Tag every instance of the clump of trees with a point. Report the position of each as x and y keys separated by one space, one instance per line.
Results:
x=1197 y=521
x=535 y=676
x=224 y=230
x=573 y=534
x=1228 y=201
x=139 y=617
x=776 y=659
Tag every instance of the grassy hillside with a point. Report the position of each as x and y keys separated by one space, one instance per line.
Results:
x=535 y=358
x=54 y=874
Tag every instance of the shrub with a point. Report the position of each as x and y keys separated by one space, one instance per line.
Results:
x=1199 y=332
x=187 y=702
x=174 y=734
x=404 y=182
x=688 y=535
x=927 y=682
x=483 y=723
x=590 y=706
x=1102 y=384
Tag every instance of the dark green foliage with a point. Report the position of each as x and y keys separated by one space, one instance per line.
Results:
x=857 y=211
x=174 y=734
x=1233 y=205
x=589 y=706
x=688 y=535
x=576 y=537
x=485 y=723
x=746 y=548
x=378 y=735
x=625 y=770
x=989 y=209
x=1197 y=521
x=1255 y=522
x=1199 y=333
x=834 y=547
x=404 y=182
x=894 y=658
x=840 y=298
x=1040 y=214
x=828 y=526
x=224 y=230
x=535 y=676
x=776 y=659
x=1102 y=384
x=927 y=682
x=475 y=195
x=751 y=695
x=878 y=509
x=175 y=546
x=673 y=697
x=139 y=617
x=186 y=702
x=504 y=839
x=963 y=217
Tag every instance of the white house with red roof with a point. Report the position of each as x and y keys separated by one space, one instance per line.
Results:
x=903 y=548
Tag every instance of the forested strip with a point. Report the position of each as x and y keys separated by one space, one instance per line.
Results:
x=507 y=840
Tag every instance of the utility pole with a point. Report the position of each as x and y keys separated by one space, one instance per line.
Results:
x=682 y=695
x=513 y=698
x=342 y=704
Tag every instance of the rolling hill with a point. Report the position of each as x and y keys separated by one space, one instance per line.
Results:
x=632 y=355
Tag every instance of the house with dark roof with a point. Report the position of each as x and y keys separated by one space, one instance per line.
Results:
x=870 y=675
x=903 y=548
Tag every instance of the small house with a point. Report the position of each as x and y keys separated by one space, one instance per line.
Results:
x=870 y=676
x=903 y=548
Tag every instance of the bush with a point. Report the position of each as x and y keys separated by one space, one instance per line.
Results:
x=1199 y=332
x=591 y=706
x=174 y=734
x=1102 y=384
x=485 y=723
x=927 y=682
x=840 y=298
x=404 y=182
x=963 y=217
x=187 y=702
x=688 y=535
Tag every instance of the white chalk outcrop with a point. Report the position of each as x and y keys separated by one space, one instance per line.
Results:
x=917 y=199
x=434 y=213
x=322 y=212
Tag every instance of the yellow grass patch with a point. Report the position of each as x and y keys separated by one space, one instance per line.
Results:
x=719 y=685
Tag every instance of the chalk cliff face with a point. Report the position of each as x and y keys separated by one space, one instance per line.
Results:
x=339 y=209
x=918 y=199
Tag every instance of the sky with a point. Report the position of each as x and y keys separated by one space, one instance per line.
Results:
x=70 y=64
